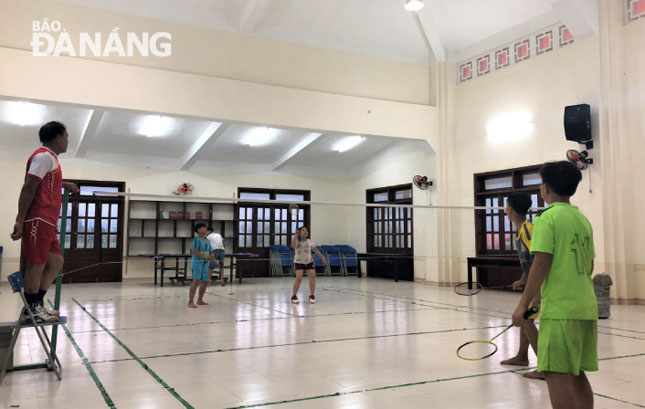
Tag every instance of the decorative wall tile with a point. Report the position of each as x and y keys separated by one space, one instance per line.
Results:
x=635 y=9
x=522 y=49
x=544 y=42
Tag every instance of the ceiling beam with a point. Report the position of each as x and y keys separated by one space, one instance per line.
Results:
x=426 y=25
x=302 y=145
x=209 y=136
x=251 y=15
x=89 y=132
x=580 y=16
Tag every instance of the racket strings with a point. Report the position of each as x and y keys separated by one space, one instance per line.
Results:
x=476 y=350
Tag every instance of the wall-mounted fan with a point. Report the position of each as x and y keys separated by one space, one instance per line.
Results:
x=421 y=182
x=580 y=159
x=184 y=189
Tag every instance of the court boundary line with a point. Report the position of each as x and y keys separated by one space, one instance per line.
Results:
x=638 y=405
x=457 y=308
x=323 y=341
x=149 y=370
x=404 y=385
x=106 y=396
x=254 y=320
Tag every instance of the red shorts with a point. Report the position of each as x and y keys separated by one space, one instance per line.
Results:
x=39 y=238
x=309 y=266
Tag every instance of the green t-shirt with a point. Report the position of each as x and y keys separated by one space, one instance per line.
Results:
x=567 y=291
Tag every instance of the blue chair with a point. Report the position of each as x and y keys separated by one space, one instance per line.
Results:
x=334 y=260
x=286 y=261
x=350 y=259
x=321 y=269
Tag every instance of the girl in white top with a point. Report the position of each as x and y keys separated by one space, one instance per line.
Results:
x=304 y=261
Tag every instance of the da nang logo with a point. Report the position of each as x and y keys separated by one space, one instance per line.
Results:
x=50 y=38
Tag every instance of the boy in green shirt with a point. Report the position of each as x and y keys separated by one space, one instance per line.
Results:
x=563 y=252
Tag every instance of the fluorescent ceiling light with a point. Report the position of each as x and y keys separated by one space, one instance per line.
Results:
x=348 y=143
x=259 y=136
x=154 y=126
x=413 y=5
x=509 y=127
x=24 y=113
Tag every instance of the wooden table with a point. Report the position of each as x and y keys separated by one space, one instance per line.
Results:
x=181 y=271
x=484 y=261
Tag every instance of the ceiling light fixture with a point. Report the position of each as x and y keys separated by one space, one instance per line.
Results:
x=259 y=136
x=24 y=113
x=348 y=143
x=154 y=126
x=413 y=5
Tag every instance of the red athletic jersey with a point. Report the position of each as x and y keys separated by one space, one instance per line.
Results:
x=47 y=201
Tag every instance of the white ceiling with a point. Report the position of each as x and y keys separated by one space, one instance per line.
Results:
x=114 y=137
x=375 y=27
x=117 y=133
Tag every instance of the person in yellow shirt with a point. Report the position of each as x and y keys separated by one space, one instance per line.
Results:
x=517 y=206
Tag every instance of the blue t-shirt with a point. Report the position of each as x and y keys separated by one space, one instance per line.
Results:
x=200 y=264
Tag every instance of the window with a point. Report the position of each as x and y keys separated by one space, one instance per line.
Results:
x=495 y=234
x=260 y=225
x=390 y=229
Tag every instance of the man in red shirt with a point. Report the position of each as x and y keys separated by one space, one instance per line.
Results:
x=38 y=211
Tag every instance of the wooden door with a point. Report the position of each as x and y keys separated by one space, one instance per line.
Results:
x=94 y=239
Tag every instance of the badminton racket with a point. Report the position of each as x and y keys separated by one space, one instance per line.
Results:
x=473 y=288
x=482 y=349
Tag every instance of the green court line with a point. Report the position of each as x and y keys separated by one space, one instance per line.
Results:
x=134 y=298
x=324 y=341
x=457 y=308
x=460 y=308
x=381 y=388
x=600 y=394
x=88 y=366
x=638 y=405
x=139 y=361
x=404 y=385
x=249 y=320
x=621 y=329
x=254 y=305
x=622 y=336
x=398 y=298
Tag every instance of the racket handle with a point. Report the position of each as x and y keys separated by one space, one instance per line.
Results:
x=531 y=311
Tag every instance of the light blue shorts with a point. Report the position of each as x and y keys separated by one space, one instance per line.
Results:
x=201 y=274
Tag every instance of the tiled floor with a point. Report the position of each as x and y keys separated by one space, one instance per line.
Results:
x=366 y=343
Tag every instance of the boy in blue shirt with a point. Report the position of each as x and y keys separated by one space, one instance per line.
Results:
x=202 y=254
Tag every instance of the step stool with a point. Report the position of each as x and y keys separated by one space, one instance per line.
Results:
x=17 y=284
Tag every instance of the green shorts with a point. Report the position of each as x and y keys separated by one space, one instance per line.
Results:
x=568 y=346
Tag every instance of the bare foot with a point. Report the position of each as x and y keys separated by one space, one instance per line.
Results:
x=515 y=361
x=202 y=303
x=534 y=375
x=223 y=283
x=191 y=305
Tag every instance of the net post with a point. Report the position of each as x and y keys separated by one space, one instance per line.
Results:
x=59 y=276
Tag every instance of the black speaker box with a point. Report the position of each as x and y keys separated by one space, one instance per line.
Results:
x=577 y=123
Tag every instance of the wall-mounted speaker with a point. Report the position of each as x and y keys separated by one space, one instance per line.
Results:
x=577 y=124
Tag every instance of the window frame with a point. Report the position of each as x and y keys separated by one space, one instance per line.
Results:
x=497 y=198
x=377 y=236
x=273 y=236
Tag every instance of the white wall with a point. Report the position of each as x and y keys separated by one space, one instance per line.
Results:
x=543 y=86
x=229 y=55
x=635 y=103
x=398 y=168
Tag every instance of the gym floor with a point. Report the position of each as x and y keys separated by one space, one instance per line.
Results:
x=366 y=343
